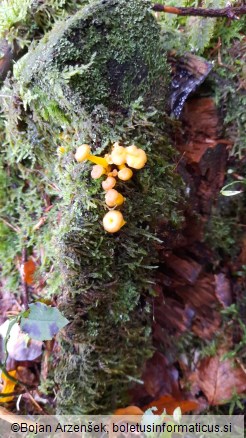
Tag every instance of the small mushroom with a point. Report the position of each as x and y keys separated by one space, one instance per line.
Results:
x=113 y=198
x=97 y=171
x=118 y=154
x=83 y=153
x=109 y=183
x=125 y=173
x=135 y=157
x=113 y=173
x=113 y=221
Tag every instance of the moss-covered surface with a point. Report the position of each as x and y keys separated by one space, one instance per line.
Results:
x=107 y=54
x=109 y=279
x=99 y=77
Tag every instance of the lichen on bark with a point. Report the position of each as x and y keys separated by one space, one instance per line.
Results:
x=99 y=77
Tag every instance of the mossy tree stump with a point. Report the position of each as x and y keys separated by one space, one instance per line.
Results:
x=99 y=77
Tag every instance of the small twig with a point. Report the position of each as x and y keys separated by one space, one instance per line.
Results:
x=24 y=284
x=40 y=223
x=228 y=12
x=50 y=183
x=216 y=48
x=180 y=159
x=33 y=401
x=14 y=228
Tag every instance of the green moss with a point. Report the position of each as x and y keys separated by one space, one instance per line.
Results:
x=85 y=61
x=109 y=278
x=221 y=233
x=22 y=22
x=231 y=95
x=228 y=80
x=23 y=192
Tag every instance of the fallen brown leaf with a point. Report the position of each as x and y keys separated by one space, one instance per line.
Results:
x=219 y=379
x=160 y=377
x=188 y=269
x=223 y=290
x=173 y=315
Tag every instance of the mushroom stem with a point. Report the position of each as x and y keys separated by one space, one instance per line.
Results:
x=83 y=154
x=98 y=160
x=121 y=166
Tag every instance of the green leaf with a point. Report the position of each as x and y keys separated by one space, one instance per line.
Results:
x=226 y=192
x=230 y=192
x=43 y=322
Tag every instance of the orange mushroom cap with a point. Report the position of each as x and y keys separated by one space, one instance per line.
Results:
x=108 y=183
x=135 y=157
x=118 y=154
x=83 y=154
x=113 y=198
x=97 y=171
x=113 y=221
x=125 y=174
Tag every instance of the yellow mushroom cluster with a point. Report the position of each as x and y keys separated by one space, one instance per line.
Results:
x=118 y=164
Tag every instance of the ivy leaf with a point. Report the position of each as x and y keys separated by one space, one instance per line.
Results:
x=42 y=322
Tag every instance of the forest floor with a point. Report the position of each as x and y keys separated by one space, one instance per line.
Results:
x=199 y=314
